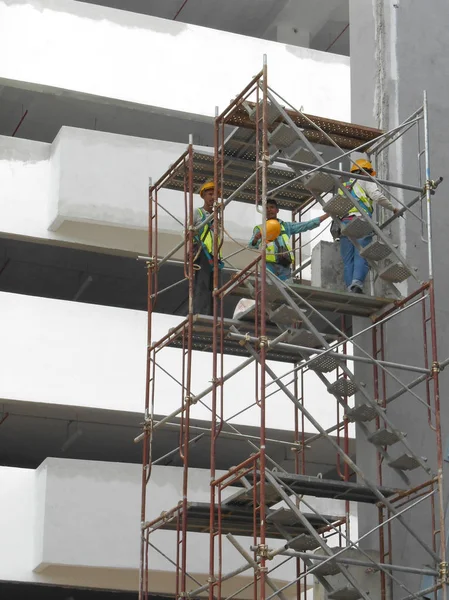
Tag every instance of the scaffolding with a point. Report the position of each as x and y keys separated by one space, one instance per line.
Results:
x=340 y=338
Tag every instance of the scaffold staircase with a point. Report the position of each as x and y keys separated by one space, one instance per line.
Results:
x=293 y=147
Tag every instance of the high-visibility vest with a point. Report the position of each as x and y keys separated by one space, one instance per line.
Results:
x=205 y=234
x=359 y=193
x=272 y=248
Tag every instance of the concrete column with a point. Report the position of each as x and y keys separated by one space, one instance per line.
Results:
x=398 y=49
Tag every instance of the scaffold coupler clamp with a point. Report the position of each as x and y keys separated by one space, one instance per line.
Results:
x=432 y=184
x=443 y=570
x=246 y=340
x=151 y=262
x=263 y=551
x=190 y=399
x=436 y=367
x=263 y=341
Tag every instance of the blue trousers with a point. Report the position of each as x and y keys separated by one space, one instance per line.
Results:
x=355 y=266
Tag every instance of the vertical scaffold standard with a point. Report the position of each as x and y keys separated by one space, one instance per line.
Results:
x=259 y=512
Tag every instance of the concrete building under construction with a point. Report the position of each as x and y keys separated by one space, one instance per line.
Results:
x=292 y=443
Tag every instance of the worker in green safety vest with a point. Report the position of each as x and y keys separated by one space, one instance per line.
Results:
x=366 y=193
x=279 y=255
x=204 y=253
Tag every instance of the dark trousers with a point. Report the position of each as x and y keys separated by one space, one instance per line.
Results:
x=204 y=286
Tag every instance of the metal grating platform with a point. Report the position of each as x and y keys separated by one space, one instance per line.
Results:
x=377 y=250
x=361 y=413
x=239 y=520
x=240 y=167
x=395 y=273
x=338 y=206
x=405 y=462
x=384 y=437
x=343 y=387
x=337 y=489
x=344 y=593
x=347 y=135
x=357 y=228
x=360 y=305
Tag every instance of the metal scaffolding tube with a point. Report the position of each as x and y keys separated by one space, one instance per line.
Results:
x=330 y=171
x=348 y=357
x=349 y=461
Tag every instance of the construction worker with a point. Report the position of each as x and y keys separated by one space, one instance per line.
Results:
x=367 y=193
x=204 y=248
x=279 y=254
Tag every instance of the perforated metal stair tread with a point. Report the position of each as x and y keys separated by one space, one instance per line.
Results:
x=377 y=250
x=384 y=437
x=338 y=206
x=343 y=387
x=361 y=413
x=287 y=517
x=319 y=182
x=327 y=568
x=272 y=112
x=344 y=593
x=303 y=542
x=284 y=315
x=324 y=363
x=283 y=136
x=301 y=154
x=357 y=228
x=405 y=462
x=246 y=497
x=395 y=273
x=303 y=337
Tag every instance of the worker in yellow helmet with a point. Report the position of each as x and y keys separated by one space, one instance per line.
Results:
x=367 y=194
x=204 y=253
x=279 y=254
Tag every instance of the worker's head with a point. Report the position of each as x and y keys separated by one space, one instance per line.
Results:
x=272 y=209
x=207 y=193
x=361 y=166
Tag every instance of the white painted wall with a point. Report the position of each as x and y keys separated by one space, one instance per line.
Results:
x=74 y=522
x=53 y=341
x=156 y=62
x=90 y=188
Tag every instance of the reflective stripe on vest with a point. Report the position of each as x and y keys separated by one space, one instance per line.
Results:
x=205 y=234
x=271 y=246
x=359 y=193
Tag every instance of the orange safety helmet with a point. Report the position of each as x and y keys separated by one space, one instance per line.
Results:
x=208 y=185
x=364 y=164
x=273 y=229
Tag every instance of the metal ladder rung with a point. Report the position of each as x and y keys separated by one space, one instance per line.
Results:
x=395 y=273
x=343 y=387
x=377 y=250
x=384 y=437
x=405 y=462
x=361 y=413
x=357 y=228
x=344 y=593
x=338 y=206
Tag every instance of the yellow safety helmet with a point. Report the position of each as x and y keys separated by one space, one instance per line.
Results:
x=362 y=163
x=273 y=229
x=208 y=185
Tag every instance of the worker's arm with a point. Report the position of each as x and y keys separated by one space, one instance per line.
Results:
x=301 y=227
x=376 y=195
x=256 y=238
